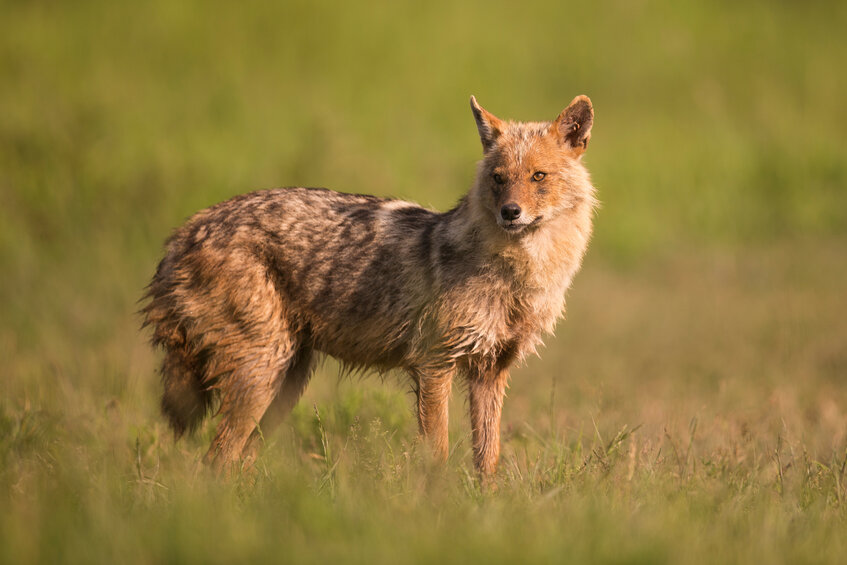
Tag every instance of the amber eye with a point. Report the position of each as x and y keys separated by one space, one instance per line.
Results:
x=498 y=178
x=538 y=176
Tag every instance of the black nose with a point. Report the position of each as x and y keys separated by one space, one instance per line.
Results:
x=510 y=211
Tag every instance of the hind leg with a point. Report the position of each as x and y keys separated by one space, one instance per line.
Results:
x=246 y=394
x=293 y=385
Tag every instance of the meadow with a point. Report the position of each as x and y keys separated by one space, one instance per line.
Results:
x=691 y=409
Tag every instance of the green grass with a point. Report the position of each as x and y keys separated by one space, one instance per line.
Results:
x=692 y=409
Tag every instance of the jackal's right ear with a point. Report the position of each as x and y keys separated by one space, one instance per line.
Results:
x=573 y=126
x=490 y=126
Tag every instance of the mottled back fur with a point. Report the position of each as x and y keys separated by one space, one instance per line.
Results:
x=250 y=288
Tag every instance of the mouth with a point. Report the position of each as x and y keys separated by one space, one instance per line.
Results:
x=518 y=227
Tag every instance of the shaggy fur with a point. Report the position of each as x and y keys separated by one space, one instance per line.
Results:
x=251 y=289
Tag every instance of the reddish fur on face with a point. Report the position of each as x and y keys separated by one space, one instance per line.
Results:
x=250 y=289
x=535 y=166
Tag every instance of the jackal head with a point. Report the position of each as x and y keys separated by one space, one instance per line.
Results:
x=531 y=171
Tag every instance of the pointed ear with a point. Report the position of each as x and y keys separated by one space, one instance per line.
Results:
x=490 y=126
x=573 y=126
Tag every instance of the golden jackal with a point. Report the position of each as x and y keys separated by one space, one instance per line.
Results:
x=251 y=289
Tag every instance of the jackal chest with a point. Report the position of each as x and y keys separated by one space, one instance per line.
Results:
x=485 y=321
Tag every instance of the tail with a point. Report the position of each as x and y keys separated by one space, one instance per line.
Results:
x=187 y=398
x=185 y=401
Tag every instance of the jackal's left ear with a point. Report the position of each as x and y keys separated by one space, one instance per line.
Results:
x=573 y=126
x=490 y=126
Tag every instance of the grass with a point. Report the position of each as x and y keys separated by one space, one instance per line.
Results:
x=691 y=409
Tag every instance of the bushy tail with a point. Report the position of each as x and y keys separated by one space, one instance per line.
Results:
x=185 y=401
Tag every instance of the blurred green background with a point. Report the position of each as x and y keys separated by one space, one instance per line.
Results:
x=713 y=291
